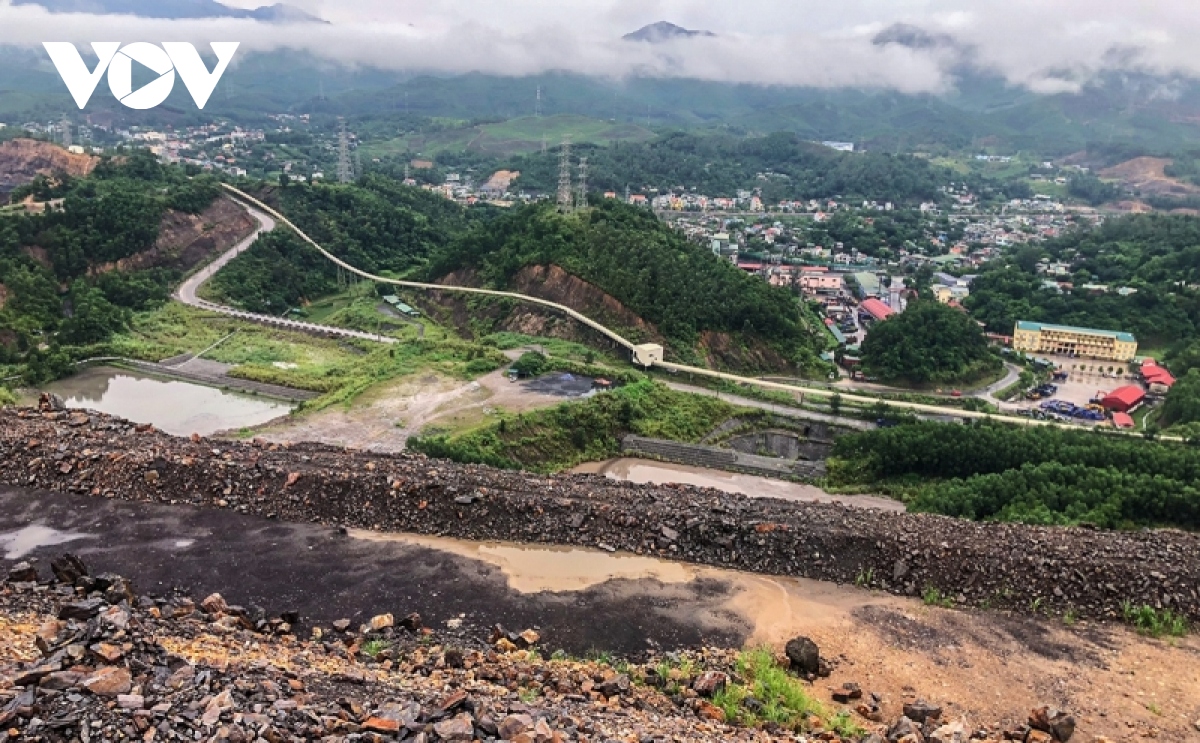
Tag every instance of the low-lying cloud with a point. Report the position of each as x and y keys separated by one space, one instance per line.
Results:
x=907 y=45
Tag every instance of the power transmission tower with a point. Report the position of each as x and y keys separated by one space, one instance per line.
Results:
x=564 y=178
x=406 y=176
x=582 y=202
x=345 y=171
x=626 y=193
x=66 y=132
x=537 y=106
x=543 y=144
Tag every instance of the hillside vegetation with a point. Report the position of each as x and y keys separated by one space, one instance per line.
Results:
x=377 y=225
x=649 y=268
x=505 y=138
x=1157 y=255
x=555 y=439
x=721 y=165
x=1033 y=475
x=58 y=291
x=928 y=343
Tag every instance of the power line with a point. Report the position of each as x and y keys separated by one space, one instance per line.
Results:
x=345 y=172
x=564 y=177
x=582 y=201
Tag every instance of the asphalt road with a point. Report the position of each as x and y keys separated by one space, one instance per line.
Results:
x=780 y=410
x=187 y=291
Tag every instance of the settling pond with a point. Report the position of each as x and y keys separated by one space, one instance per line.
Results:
x=178 y=408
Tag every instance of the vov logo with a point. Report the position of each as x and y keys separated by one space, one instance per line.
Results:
x=165 y=61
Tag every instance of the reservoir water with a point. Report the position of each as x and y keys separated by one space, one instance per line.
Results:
x=178 y=408
x=660 y=473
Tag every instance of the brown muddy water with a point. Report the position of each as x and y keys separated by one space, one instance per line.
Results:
x=776 y=608
x=178 y=408
x=644 y=471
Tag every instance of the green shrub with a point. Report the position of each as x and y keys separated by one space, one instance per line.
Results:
x=783 y=699
x=531 y=364
x=1155 y=622
x=1032 y=475
x=558 y=438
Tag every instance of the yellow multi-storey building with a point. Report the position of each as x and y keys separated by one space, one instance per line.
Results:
x=1106 y=345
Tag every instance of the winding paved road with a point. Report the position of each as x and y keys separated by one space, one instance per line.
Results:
x=187 y=291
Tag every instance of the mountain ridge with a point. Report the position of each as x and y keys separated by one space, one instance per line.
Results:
x=665 y=31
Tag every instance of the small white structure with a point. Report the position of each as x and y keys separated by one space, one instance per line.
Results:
x=647 y=354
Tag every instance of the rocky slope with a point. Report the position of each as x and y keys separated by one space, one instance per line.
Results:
x=88 y=658
x=186 y=240
x=21 y=160
x=471 y=316
x=1090 y=573
x=545 y=282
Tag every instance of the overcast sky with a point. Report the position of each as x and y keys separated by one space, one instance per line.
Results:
x=1045 y=45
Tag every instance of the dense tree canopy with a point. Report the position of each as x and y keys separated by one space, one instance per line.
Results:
x=1182 y=405
x=1038 y=475
x=1156 y=255
x=783 y=165
x=649 y=267
x=928 y=342
x=377 y=225
x=111 y=215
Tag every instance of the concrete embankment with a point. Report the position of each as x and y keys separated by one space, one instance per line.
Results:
x=730 y=460
x=1013 y=566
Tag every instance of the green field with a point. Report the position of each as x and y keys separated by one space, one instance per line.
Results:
x=515 y=136
x=340 y=369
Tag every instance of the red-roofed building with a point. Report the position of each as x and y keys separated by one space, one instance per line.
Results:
x=1125 y=398
x=1122 y=420
x=876 y=309
x=1157 y=377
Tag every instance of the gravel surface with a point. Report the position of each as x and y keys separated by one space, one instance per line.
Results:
x=87 y=659
x=1090 y=572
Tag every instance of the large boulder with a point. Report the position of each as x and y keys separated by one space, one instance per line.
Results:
x=804 y=655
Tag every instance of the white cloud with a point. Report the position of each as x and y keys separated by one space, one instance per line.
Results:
x=1048 y=47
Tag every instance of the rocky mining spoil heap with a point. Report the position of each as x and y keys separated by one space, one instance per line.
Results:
x=88 y=659
x=1090 y=573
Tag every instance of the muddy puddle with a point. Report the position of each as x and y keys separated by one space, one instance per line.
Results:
x=178 y=408
x=777 y=608
x=20 y=542
x=644 y=471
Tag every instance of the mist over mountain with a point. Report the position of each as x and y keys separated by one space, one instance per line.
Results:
x=664 y=31
x=176 y=9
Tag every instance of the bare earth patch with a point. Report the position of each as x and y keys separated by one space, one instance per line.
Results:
x=383 y=419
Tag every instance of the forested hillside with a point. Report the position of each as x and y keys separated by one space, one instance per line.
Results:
x=1157 y=255
x=790 y=168
x=928 y=343
x=649 y=268
x=1036 y=475
x=57 y=288
x=377 y=225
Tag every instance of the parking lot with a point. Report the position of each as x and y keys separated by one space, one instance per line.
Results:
x=1085 y=380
